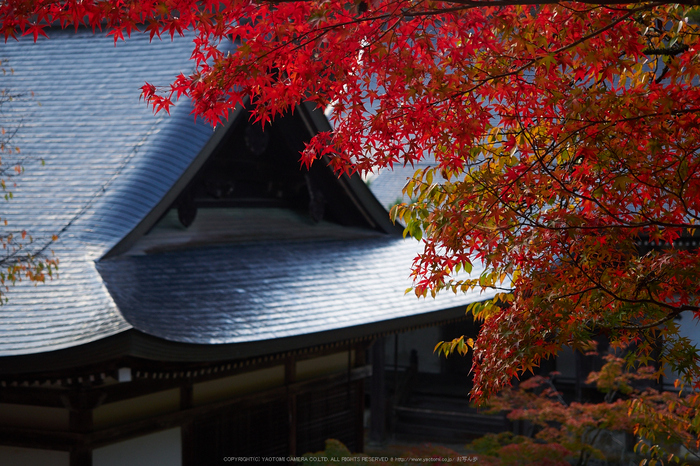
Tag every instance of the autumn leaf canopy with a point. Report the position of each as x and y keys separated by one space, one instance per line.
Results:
x=563 y=142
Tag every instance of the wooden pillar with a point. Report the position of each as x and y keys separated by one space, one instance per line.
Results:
x=360 y=361
x=189 y=457
x=187 y=428
x=81 y=456
x=81 y=422
x=360 y=420
x=377 y=430
x=395 y=388
x=290 y=375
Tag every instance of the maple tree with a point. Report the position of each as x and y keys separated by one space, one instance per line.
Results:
x=564 y=137
x=20 y=257
x=671 y=438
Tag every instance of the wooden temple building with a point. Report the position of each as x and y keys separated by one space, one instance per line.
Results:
x=213 y=299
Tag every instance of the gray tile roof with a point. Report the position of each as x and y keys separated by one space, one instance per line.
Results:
x=108 y=163
x=246 y=292
x=387 y=185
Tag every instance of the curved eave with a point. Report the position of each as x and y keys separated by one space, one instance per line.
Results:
x=136 y=344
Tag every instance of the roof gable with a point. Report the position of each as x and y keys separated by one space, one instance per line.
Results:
x=247 y=173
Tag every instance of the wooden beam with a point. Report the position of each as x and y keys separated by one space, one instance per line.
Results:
x=36 y=438
x=34 y=396
x=55 y=440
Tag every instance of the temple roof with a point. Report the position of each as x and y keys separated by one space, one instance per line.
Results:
x=107 y=176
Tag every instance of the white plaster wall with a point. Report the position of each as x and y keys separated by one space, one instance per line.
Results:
x=236 y=385
x=15 y=456
x=336 y=363
x=161 y=448
x=141 y=407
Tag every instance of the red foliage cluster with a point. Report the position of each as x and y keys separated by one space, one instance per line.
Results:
x=564 y=135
